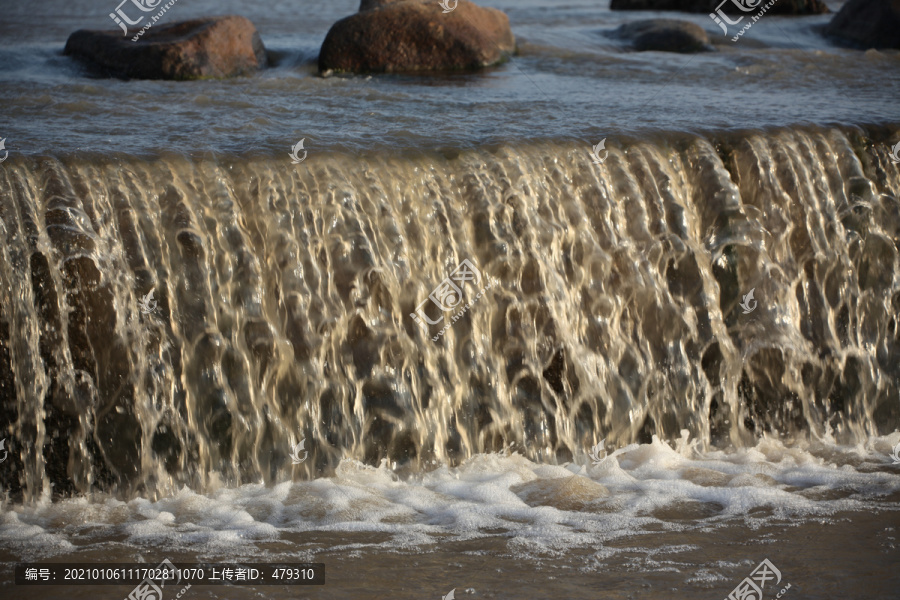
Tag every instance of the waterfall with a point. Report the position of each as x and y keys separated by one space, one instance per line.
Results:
x=615 y=305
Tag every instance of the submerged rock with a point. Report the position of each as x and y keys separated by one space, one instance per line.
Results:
x=665 y=35
x=212 y=47
x=575 y=493
x=868 y=23
x=732 y=7
x=416 y=35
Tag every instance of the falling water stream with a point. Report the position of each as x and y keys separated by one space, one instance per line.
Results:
x=451 y=349
x=283 y=294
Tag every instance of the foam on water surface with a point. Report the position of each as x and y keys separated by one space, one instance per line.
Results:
x=539 y=508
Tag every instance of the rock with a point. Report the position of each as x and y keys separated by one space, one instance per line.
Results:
x=781 y=7
x=666 y=35
x=416 y=35
x=705 y=477
x=575 y=493
x=867 y=23
x=212 y=47
x=370 y=4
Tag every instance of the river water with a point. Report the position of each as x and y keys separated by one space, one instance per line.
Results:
x=653 y=372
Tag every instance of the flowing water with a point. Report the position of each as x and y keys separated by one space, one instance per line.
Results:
x=653 y=373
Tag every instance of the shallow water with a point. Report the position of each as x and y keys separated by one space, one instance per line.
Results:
x=670 y=524
x=655 y=565
x=570 y=81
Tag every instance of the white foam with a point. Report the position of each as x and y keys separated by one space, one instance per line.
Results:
x=539 y=508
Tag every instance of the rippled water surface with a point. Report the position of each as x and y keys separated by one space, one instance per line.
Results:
x=570 y=80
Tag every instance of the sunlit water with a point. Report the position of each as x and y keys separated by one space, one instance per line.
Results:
x=606 y=416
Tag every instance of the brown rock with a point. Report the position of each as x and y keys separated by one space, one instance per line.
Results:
x=575 y=493
x=781 y=7
x=416 y=35
x=868 y=23
x=666 y=35
x=212 y=47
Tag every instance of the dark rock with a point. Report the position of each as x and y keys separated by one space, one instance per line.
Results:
x=665 y=35
x=416 y=35
x=365 y=5
x=213 y=47
x=730 y=7
x=868 y=23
